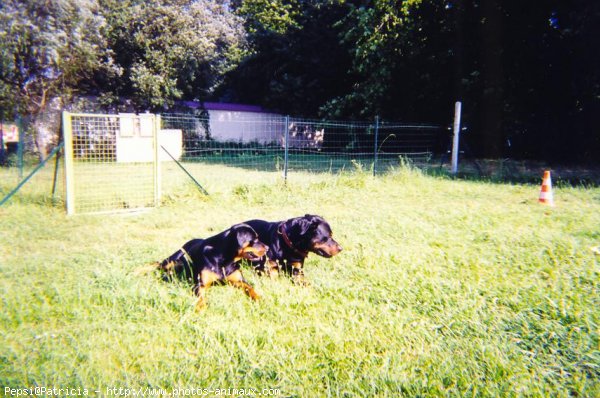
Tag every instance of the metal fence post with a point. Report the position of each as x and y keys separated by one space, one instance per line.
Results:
x=56 y=166
x=2 y=154
x=376 y=143
x=67 y=127
x=456 y=129
x=286 y=148
x=157 y=177
x=20 y=146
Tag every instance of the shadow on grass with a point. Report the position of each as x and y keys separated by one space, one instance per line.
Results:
x=522 y=172
x=486 y=170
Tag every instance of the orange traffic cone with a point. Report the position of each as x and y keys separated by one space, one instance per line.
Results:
x=546 y=192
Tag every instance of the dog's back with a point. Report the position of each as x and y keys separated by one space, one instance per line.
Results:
x=264 y=229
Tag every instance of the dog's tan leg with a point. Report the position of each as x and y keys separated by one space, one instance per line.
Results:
x=298 y=274
x=205 y=279
x=272 y=269
x=237 y=280
x=201 y=293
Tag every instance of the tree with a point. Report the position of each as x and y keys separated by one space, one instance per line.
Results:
x=273 y=16
x=48 y=50
x=526 y=72
x=170 y=49
x=296 y=61
x=397 y=63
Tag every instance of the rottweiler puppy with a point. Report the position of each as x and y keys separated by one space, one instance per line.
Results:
x=216 y=259
x=289 y=243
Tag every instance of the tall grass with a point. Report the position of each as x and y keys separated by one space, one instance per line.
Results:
x=444 y=288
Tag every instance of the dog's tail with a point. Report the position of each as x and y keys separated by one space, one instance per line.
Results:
x=146 y=269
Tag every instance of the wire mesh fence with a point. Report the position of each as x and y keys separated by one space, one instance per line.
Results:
x=26 y=176
x=118 y=162
x=333 y=146
x=248 y=142
x=41 y=183
x=110 y=162
x=285 y=144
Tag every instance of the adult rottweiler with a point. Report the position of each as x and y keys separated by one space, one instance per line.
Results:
x=289 y=243
x=216 y=259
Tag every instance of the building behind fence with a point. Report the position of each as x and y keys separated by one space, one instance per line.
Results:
x=128 y=161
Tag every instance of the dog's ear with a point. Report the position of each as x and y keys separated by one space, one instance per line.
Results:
x=244 y=236
x=314 y=221
x=230 y=239
x=313 y=218
x=240 y=234
x=303 y=225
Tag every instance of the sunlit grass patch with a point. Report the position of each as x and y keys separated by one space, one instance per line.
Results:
x=444 y=288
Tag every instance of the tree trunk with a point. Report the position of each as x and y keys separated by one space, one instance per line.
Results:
x=46 y=126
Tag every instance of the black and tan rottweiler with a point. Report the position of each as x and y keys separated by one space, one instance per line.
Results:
x=289 y=243
x=216 y=259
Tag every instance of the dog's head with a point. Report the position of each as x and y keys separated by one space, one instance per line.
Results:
x=243 y=239
x=312 y=234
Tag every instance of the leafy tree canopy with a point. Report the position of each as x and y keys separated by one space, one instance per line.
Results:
x=171 y=49
x=526 y=72
x=48 y=49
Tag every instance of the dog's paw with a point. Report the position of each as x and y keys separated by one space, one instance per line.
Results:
x=200 y=305
x=299 y=280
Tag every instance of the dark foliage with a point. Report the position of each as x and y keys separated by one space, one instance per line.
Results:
x=527 y=73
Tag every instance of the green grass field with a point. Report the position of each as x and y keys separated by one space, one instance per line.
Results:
x=444 y=288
